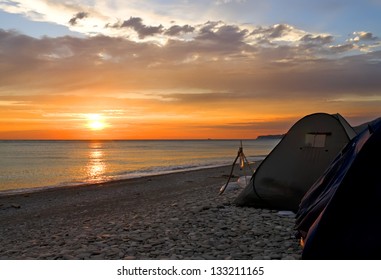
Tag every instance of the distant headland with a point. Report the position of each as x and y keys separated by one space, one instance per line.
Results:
x=266 y=137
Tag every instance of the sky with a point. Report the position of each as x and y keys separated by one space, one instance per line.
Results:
x=220 y=69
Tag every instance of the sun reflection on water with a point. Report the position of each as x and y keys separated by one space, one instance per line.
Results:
x=96 y=166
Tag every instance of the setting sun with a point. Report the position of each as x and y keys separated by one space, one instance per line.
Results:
x=95 y=122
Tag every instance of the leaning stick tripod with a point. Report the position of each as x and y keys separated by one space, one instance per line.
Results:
x=242 y=159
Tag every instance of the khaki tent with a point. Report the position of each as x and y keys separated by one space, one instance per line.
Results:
x=303 y=154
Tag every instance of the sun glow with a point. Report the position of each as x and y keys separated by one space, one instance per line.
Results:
x=95 y=121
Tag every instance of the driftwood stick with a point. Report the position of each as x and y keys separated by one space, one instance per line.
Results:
x=231 y=173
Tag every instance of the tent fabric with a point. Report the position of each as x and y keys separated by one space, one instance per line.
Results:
x=296 y=162
x=339 y=217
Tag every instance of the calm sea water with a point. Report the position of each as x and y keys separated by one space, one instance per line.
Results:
x=26 y=165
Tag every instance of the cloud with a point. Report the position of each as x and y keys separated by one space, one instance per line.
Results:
x=278 y=32
x=317 y=39
x=225 y=72
x=221 y=2
x=363 y=36
x=78 y=16
x=143 y=31
x=176 y=30
x=342 y=48
x=221 y=33
x=160 y=22
x=219 y=60
x=257 y=125
x=154 y=67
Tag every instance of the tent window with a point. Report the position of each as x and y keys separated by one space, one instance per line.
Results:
x=315 y=140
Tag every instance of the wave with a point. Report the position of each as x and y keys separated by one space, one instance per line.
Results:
x=34 y=166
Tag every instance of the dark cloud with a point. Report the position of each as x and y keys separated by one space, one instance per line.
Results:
x=317 y=39
x=136 y=24
x=218 y=38
x=223 y=34
x=176 y=30
x=275 y=31
x=218 y=61
x=208 y=27
x=143 y=31
x=218 y=31
x=78 y=16
x=342 y=48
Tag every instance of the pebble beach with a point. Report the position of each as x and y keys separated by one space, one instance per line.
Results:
x=172 y=216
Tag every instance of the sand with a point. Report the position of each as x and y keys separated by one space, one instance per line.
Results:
x=173 y=216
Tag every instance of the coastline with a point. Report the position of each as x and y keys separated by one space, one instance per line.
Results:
x=47 y=164
x=111 y=180
x=172 y=216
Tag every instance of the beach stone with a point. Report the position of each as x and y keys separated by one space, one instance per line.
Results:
x=83 y=256
x=288 y=258
x=129 y=258
x=187 y=224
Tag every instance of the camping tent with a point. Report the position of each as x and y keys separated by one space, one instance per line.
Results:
x=291 y=168
x=339 y=217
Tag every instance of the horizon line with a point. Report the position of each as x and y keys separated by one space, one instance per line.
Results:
x=143 y=139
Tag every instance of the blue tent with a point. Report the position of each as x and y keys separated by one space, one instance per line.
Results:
x=340 y=216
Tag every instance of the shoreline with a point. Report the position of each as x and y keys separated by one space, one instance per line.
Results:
x=21 y=191
x=172 y=216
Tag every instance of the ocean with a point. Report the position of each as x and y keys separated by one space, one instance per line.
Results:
x=30 y=165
